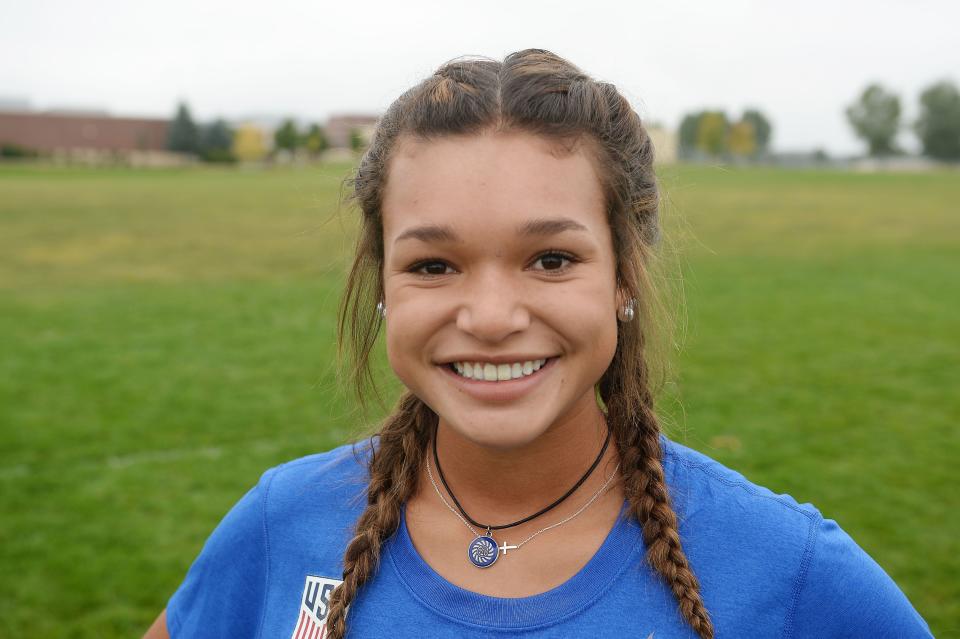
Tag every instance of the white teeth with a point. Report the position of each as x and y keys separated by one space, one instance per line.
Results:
x=498 y=372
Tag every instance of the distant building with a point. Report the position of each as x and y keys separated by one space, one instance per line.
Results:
x=90 y=137
x=899 y=163
x=69 y=132
x=665 y=144
x=338 y=129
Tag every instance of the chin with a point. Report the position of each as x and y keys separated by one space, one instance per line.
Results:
x=495 y=434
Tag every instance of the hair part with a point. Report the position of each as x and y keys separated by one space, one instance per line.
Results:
x=538 y=92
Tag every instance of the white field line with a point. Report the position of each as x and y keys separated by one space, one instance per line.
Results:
x=119 y=462
x=132 y=460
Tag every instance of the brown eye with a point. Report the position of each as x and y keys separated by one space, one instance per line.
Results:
x=432 y=267
x=435 y=268
x=554 y=261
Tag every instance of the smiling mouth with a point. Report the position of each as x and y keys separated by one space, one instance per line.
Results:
x=482 y=372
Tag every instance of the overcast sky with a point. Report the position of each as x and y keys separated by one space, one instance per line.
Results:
x=799 y=62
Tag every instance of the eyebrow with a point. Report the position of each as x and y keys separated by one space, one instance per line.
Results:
x=540 y=227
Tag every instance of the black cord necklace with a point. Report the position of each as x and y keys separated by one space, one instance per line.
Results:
x=488 y=528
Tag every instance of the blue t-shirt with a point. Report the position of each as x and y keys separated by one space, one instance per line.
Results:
x=768 y=567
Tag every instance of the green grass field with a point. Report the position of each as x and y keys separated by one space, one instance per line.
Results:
x=166 y=336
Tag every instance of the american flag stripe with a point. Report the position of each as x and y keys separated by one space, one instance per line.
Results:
x=302 y=626
x=308 y=628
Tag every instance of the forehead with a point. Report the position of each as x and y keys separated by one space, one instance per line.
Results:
x=490 y=183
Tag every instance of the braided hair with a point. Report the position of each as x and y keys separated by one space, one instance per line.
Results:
x=541 y=93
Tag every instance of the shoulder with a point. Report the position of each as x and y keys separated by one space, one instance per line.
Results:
x=300 y=512
x=311 y=505
x=737 y=534
x=705 y=490
x=330 y=478
x=333 y=483
x=771 y=549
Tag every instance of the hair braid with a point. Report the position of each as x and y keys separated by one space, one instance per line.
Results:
x=637 y=433
x=394 y=468
x=650 y=502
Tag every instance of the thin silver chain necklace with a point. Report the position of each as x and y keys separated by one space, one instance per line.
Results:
x=483 y=551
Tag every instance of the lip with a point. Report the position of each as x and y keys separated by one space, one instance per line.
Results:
x=499 y=392
x=509 y=358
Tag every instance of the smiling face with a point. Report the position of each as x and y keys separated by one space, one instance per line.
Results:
x=498 y=253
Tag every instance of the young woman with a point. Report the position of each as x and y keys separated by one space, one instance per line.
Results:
x=522 y=486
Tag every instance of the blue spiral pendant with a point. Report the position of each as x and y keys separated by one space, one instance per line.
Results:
x=483 y=551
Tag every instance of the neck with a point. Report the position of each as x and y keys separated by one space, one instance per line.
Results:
x=497 y=486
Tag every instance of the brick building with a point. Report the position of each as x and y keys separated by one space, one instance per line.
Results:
x=58 y=133
x=338 y=129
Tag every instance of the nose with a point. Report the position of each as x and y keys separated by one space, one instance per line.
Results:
x=493 y=309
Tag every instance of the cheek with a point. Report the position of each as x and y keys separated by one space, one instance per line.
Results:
x=602 y=347
x=406 y=338
x=397 y=347
x=603 y=338
x=589 y=327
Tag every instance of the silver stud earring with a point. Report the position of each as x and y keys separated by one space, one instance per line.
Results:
x=382 y=308
x=626 y=311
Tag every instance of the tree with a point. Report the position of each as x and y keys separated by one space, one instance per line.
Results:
x=688 y=133
x=761 y=129
x=357 y=141
x=216 y=139
x=875 y=118
x=742 y=139
x=938 y=126
x=183 y=135
x=286 y=136
x=315 y=141
x=712 y=133
x=249 y=143
x=8 y=150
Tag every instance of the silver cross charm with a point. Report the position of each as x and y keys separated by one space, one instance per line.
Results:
x=504 y=548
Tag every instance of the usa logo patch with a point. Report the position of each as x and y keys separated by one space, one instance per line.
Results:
x=314 y=605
